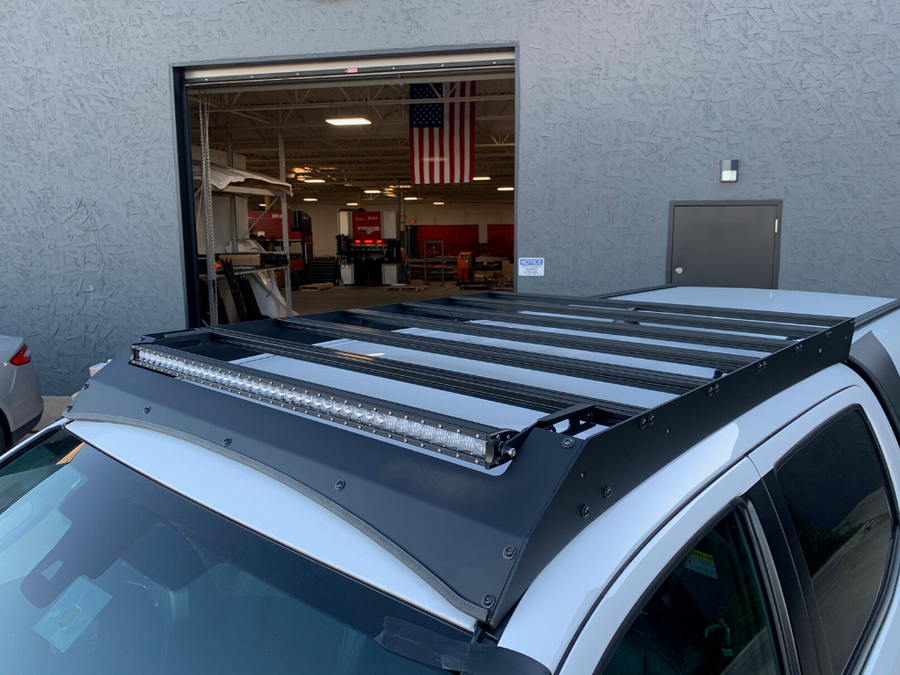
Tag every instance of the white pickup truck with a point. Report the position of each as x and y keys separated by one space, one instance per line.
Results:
x=685 y=481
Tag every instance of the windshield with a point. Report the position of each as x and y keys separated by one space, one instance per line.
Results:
x=104 y=571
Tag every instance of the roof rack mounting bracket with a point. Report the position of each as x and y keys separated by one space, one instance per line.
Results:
x=580 y=417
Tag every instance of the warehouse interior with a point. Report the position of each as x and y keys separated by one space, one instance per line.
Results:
x=335 y=147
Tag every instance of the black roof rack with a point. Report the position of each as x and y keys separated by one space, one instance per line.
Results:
x=478 y=536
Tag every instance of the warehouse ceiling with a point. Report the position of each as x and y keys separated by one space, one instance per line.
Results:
x=351 y=159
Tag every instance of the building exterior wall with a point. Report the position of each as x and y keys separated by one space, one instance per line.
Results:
x=621 y=108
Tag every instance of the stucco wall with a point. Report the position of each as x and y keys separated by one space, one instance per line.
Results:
x=622 y=107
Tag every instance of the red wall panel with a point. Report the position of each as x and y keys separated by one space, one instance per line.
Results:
x=456 y=238
x=501 y=239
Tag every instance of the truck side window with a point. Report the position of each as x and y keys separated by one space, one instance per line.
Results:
x=709 y=616
x=836 y=491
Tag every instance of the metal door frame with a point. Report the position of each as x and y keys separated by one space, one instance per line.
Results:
x=777 y=203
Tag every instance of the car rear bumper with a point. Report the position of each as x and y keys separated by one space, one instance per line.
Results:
x=22 y=431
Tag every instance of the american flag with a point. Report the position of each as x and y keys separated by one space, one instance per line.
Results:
x=442 y=135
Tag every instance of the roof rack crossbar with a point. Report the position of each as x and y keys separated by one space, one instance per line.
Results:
x=616 y=374
x=728 y=340
x=510 y=393
x=690 y=357
x=664 y=318
x=612 y=303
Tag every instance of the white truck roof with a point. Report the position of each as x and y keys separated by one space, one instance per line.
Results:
x=443 y=529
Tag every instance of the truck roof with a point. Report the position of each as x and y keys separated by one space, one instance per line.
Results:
x=475 y=437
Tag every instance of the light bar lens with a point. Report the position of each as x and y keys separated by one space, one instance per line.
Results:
x=418 y=432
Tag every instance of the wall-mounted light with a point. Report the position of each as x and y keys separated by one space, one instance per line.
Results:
x=729 y=170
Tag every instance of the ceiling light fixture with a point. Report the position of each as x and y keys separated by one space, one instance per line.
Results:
x=352 y=203
x=313 y=180
x=481 y=178
x=299 y=169
x=402 y=187
x=505 y=189
x=310 y=199
x=410 y=199
x=372 y=192
x=439 y=203
x=347 y=121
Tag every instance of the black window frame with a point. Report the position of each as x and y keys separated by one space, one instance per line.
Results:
x=891 y=571
x=748 y=511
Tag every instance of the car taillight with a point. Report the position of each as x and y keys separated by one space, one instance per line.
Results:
x=22 y=356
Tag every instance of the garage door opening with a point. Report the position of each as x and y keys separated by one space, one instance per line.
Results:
x=377 y=171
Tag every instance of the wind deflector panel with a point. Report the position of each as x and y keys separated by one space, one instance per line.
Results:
x=479 y=535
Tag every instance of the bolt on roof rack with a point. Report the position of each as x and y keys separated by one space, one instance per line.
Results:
x=480 y=536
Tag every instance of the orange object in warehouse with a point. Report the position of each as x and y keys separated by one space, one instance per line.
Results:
x=464 y=267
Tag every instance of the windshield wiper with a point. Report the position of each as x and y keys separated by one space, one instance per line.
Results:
x=466 y=658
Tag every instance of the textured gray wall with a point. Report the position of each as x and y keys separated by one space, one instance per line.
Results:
x=623 y=106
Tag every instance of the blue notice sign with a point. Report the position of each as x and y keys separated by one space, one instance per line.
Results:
x=531 y=267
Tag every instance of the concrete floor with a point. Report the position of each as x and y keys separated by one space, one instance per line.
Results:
x=353 y=297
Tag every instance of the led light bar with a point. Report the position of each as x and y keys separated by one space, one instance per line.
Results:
x=479 y=447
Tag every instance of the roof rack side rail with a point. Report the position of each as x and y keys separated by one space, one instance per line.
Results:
x=646 y=289
x=864 y=320
x=716 y=339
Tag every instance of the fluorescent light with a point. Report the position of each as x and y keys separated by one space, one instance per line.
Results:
x=352 y=203
x=313 y=180
x=410 y=199
x=505 y=189
x=372 y=192
x=481 y=178
x=310 y=199
x=347 y=121
x=403 y=186
x=299 y=169
x=439 y=203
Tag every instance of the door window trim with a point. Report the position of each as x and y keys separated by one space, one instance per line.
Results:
x=729 y=489
x=744 y=509
x=888 y=584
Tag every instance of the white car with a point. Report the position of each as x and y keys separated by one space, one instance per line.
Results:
x=21 y=405
x=676 y=481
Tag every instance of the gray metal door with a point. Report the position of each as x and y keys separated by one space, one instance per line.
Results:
x=731 y=244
